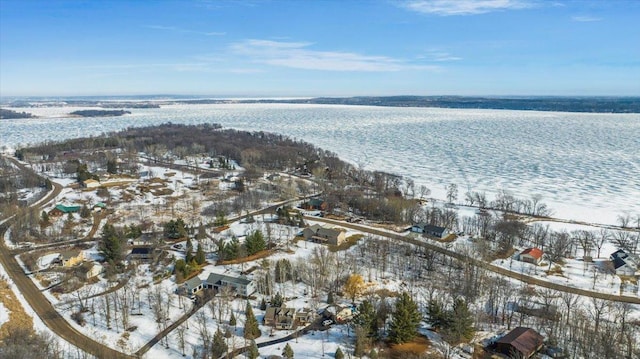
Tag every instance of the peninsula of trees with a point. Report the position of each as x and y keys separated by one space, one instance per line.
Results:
x=9 y=114
x=99 y=113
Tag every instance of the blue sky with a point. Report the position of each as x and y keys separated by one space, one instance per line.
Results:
x=319 y=48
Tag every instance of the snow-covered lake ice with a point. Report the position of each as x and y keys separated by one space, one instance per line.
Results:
x=585 y=166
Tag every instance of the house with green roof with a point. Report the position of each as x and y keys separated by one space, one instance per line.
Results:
x=61 y=209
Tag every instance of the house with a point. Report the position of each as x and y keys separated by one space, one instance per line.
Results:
x=89 y=270
x=241 y=285
x=71 y=258
x=521 y=342
x=305 y=316
x=320 y=234
x=90 y=183
x=60 y=209
x=531 y=255
x=143 y=253
x=430 y=230
x=280 y=317
x=345 y=314
x=193 y=286
x=624 y=263
x=315 y=204
x=99 y=206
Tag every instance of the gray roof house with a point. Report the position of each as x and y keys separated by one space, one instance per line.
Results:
x=431 y=230
x=241 y=285
x=193 y=286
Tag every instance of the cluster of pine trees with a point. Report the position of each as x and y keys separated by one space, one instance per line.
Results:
x=254 y=243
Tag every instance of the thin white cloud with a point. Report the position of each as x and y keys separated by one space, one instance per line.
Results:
x=298 y=55
x=464 y=7
x=185 y=31
x=585 y=18
x=442 y=56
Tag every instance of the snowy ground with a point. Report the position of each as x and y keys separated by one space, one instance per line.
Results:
x=4 y=314
x=39 y=326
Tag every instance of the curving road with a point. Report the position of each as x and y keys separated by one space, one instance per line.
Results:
x=479 y=263
x=40 y=304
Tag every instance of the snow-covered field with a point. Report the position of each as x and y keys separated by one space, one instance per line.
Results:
x=4 y=314
x=585 y=166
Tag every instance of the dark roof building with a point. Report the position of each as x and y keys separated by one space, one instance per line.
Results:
x=431 y=230
x=141 y=253
x=624 y=263
x=521 y=342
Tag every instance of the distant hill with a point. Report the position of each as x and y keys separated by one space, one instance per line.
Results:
x=9 y=114
x=99 y=113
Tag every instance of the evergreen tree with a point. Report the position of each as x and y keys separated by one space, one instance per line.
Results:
x=112 y=166
x=330 y=299
x=263 y=304
x=253 y=352
x=251 y=329
x=459 y=326
x=188 y=257
x=219 y=346
x=339 y=354
x=202 y=232
x=255 y=242
x=85 y=212
x=406 y=318
x=220 y=220
x=111 y=246
x=437 y=315
x=44 y=219
x=200 y=255
x=232 y=320
x=287 y=352
x=367 y=319
x=231 y=249
x=133 y=231
x=277 y=300
x=361 y=341
x=373 y=354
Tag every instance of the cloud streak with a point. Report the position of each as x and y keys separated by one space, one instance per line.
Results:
x=464 y=7
x=585 y=18
x=184 y=31
x=298 y=55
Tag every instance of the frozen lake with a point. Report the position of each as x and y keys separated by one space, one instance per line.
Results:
x=585 y=166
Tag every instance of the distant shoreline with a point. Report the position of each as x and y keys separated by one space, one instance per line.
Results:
x=550 y=104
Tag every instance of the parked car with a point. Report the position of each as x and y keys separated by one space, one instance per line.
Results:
x=177 y=246
x=327 y=322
